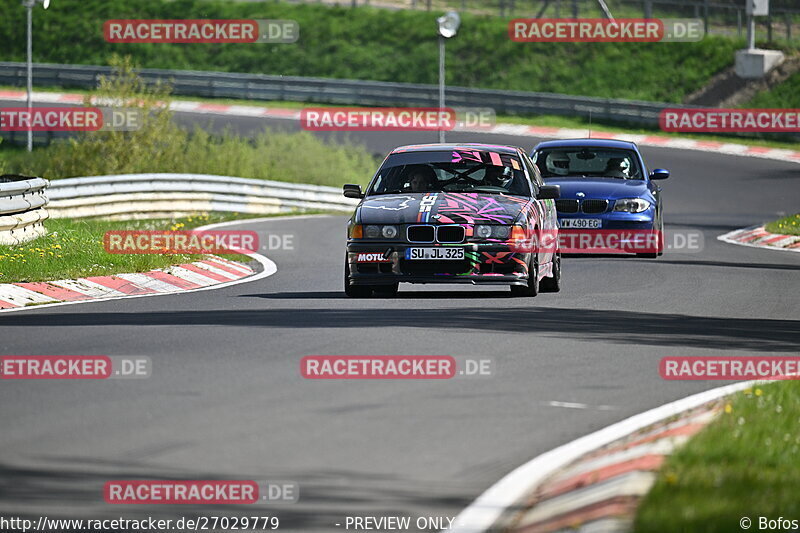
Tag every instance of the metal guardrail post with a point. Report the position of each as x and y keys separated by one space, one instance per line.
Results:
x=166 y=194
x=23 y=210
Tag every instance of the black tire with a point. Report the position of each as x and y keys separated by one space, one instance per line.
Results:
x=387 y=291
x=531 y=288
x=658 y=254
x=354 y=291
x=553 y=284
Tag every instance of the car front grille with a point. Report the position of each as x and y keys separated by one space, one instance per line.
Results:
x=594 y=206
x=420 y=234
x=450 y=234
x=426 y=233
x=567 y=206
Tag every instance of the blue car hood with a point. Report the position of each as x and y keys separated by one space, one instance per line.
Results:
x=610 y=188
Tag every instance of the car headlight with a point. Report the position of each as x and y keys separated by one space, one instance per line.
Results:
x=373 y=231
x=631 y=205
x=485 y=231
x=356 y=231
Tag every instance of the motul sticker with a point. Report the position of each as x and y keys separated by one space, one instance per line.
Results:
x=372 y=257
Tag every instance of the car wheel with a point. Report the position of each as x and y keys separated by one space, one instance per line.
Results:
x=354 y=291
x=660 y=245
x=387 y=291
x=531 y=288
x=553 y=284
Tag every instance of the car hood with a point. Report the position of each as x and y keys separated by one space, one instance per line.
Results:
x=440 y=208
x=610 y=188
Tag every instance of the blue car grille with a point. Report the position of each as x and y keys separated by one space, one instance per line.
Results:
x=594 y=206
x=567 y=206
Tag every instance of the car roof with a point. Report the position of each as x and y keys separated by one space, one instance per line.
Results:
x=596 y=143
x=436 y=147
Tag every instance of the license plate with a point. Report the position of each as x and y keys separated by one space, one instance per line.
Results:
x=579 y=223
x=435 y=254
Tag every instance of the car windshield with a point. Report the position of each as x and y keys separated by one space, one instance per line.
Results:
x=481 y=171
x=588 y=162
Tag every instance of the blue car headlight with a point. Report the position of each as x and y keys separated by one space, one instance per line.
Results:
x=631 y=205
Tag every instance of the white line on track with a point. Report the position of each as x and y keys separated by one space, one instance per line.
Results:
x=578 y=405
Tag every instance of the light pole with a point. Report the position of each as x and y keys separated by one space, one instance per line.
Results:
x=29 y=5
x=448 y=26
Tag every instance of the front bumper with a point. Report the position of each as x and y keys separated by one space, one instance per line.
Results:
x=618 y=219
x=383 y=263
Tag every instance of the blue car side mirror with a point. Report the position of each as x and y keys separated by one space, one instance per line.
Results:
x=659 y=174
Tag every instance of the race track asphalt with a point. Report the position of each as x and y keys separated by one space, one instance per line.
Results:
x=226 y=399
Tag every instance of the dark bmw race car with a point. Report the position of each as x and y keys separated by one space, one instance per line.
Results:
x=453 y=213
x=605 y=188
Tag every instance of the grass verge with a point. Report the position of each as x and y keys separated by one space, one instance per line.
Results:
x=787 y=225
x=745 y=463
x=74 y=249
x=160 y=145
x=785 y=95
x=377 y=44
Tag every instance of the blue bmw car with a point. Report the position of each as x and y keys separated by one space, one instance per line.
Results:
x=605 y=185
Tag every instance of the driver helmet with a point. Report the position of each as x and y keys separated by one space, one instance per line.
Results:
x=557 y=163
x=499 y=176
x=618 y=164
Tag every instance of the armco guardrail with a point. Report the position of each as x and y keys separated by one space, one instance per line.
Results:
x=22 y=208
x=162 y=195
x=346 y=92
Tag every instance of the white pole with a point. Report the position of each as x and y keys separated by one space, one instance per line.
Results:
x=29 y=5
x=441 y=84
x=751 y=32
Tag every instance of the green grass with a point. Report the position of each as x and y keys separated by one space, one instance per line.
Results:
x=785 y=95
x=292 y=157
x=376 y=44
x=745 y=463
x=787 y=225
x=74 y=248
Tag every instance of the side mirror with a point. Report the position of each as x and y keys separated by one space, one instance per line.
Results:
x=352 y=191
x=549 y=192
x=659 y=174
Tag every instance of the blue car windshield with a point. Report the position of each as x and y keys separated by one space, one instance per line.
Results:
x=588 y=162
x=451 y=171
